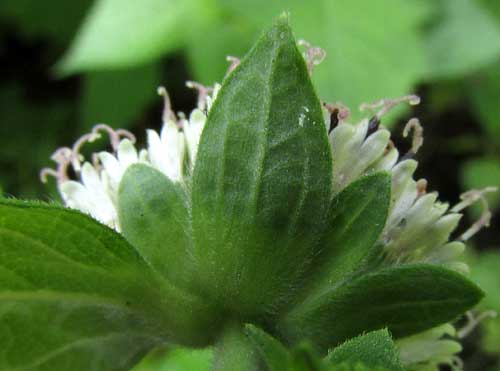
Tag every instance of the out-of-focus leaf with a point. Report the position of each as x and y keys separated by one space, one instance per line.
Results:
x=177 y=359
x=22 y=153
x=465 y=38
x=493 y=6
x=484 y=271
x=482 y=172
x=120 y=33
x=220 y=38
x=118 y=97
x=484 y=93
x=56 y=19
x=365 y=61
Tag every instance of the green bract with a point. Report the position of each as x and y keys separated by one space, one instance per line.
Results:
x=270 y=235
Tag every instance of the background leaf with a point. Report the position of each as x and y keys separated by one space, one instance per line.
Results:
x=480 y=173
x=483 y=91
x=484 y=271
x=118 y=97
x=177 y=359
x=124 y=34
x=466 y=38
x=365 y=62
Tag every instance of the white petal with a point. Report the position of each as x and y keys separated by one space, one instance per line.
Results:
x=76 y=196
x=127 y=154
x=370 y=151
x=387 y=161
x=111 y=167
x=193 y=132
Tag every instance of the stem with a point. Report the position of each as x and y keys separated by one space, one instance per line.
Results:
x=234 y=351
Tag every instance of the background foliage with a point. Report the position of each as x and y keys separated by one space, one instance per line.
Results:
x=65 y=66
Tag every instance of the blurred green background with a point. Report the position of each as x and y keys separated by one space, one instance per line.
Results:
x=67 y=65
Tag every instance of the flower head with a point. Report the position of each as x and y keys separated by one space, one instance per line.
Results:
x=94 y=188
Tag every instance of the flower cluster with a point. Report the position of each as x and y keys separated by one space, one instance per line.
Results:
x=95 y=189
x=418 y=226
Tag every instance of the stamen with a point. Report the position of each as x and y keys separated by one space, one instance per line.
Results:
x=313 y=55
x=338 y=114
x=390 y=147
x=168 y=114
x=373 y=126
x=472 y=322
x=418 y=137
x=62 y=157
x=115 y=136
x=233 y=63
x=76 y=157
x=421 y=187
x=469 y=198
x=388 y=104
x=203 y=92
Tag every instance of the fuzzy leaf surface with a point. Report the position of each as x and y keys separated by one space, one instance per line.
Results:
x=75 y=295
x=356 y=218
x=262 y=179
x=153 y=214
x=373 y=349
x=405 y=299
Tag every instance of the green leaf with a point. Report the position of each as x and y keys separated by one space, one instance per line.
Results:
x=235 y=351
x=153 y=214
x=466 y=38
x=262 y=179
x=405 y=299
x=177 y=359
x=275 y=356
x=119 y=33
x=356 y=220
x=117 y=98
x=482 y=90
x=484 y=271
x=75 y=295
x=374 y=349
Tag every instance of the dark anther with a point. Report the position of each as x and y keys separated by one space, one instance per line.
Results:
x=373 y=125
x=334 y=119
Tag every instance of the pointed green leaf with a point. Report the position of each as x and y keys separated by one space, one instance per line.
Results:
x=275 y=356
x=153 y=213
x=405 y=299
x=262 y=178
x=356 y=220
x=75 y=295
x=374 y=349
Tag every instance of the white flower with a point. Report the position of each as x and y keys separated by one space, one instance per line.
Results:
x=430 y=349
x=95 y=188
x=418 y=226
